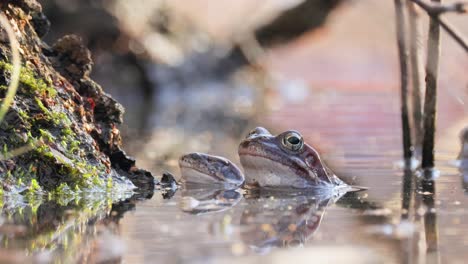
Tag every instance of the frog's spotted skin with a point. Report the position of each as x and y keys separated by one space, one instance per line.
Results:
x=282 y=161
x=200 y=168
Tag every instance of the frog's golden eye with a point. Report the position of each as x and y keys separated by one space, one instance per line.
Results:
x=293 y=141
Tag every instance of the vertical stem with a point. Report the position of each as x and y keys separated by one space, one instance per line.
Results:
x=417 y=71
x=16 y=60
x=401 y=25
x=430 y=102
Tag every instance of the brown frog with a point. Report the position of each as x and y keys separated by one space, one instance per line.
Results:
x=269 y=161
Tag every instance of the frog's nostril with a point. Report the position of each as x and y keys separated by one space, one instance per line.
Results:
x=245 y=144
x=258 y=131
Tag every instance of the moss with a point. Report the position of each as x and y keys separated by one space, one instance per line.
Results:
x=57 y=117
x=46 y=135
x=1 y=197
x=41 y=106
x=29 y=79
x=24 y=116
x=109 y=183
x=63 y=194
x=67 y=132
x=53 y=124
x=62 y=189
x=77 y=171
x=34 y=187
x=4 y=150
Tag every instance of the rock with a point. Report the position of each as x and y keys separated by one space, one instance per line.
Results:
x=167 y=179
x=64 y=121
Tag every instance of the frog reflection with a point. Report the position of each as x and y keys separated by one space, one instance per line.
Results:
x=282 y=221
x=201 y=201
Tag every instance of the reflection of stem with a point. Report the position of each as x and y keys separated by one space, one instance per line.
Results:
x=16 y=61
x=406 y=193
x=423 y=246
x=426 y=241
x=401 y=26
x=430 y=217
x=419 y=238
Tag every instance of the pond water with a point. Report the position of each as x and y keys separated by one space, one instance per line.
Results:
x=358 y=134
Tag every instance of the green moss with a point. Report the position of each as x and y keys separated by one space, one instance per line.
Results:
x=67 y=132
x=34 y=187
x=42 y=107
x=28 y=78
x=109 y=183
x=23 y=114
x=61 y=117
x=46 y=135
x=56 y=117
x=4 y=149
x=62 y=189
x=1 y=197
x=72 y=164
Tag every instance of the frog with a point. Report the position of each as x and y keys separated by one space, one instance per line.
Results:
x=269 y=161
x=283 y=160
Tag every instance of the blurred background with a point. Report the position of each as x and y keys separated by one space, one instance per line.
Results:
x=190 y=70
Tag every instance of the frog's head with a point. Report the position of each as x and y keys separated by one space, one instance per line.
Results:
x=284 y=160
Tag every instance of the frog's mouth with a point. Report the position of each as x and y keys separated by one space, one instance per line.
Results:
x=256 y=158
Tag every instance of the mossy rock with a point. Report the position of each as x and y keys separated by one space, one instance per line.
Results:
x=64 y=123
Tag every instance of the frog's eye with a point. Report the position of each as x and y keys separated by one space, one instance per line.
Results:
x=293 y=141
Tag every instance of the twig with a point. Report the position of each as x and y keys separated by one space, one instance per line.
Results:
x=453 y=32
x=403 y=56
x=432 y=69
x=417 y=71
x=450 y=29
x=16 y=61
x=21 y=150
x=437 y=8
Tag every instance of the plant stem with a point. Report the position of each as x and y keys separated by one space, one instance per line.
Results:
x=430 y=102
x=417 y=71
x=16 y=61
x=401 y=26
